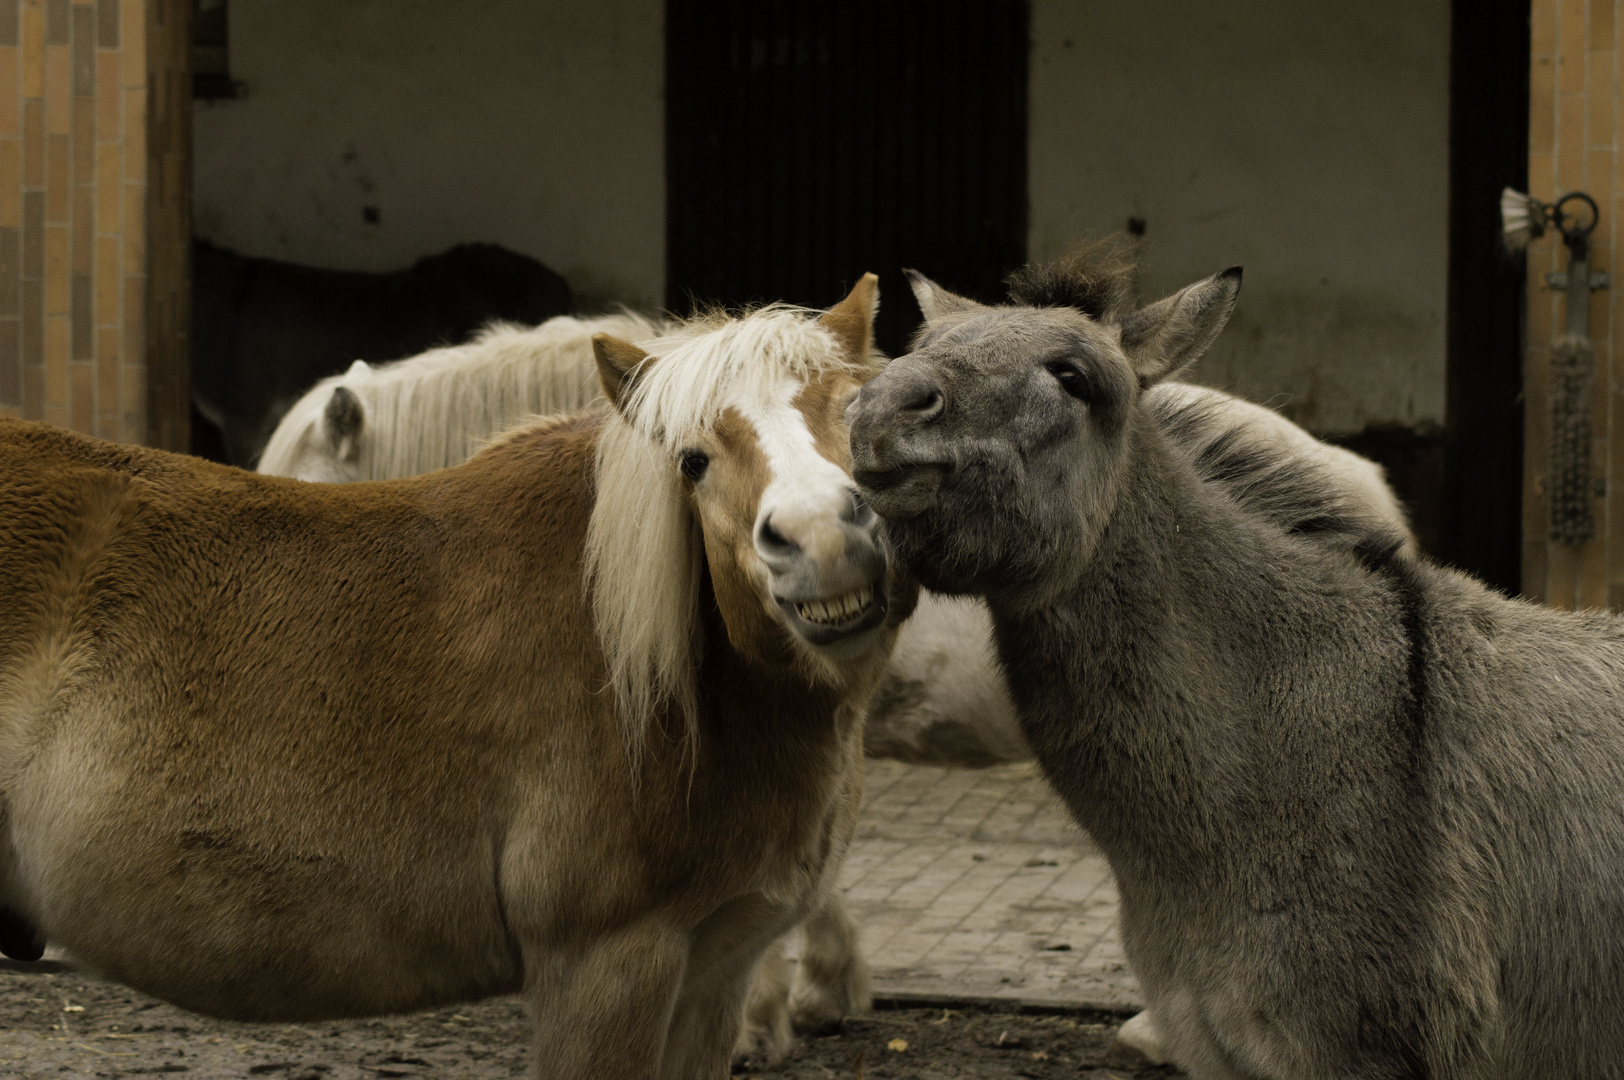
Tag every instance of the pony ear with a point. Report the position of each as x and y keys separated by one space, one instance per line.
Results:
x=935 y=301
x=852 y=320
x=341 y=422
x=618 y=363
x=1166 y=337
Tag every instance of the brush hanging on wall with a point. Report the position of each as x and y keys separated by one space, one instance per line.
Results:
x=1573 y=356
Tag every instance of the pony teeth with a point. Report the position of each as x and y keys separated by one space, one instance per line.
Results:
x=838 y=608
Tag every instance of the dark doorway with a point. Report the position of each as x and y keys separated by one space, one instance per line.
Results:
x=808 y=143
x=1488 y=150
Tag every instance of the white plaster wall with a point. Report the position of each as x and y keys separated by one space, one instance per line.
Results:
x=1305 y=139
x=536 y=124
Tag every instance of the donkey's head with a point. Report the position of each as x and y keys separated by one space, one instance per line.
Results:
x=730 y=438
x=995 y=449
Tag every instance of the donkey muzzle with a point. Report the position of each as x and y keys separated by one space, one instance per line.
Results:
x=891 y=422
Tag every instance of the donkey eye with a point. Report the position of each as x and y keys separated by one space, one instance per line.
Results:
x=693 y=464
x=1071 y=380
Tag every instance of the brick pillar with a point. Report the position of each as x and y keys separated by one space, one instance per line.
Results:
x=75 y=84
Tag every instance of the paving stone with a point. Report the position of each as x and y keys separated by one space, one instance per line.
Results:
x=977 y=884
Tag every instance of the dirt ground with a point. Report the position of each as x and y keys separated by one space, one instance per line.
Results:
x=59 y=1023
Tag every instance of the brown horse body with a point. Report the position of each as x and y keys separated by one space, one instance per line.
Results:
x=274 y=750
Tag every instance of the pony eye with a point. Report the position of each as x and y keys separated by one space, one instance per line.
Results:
x=693 y=464
x=1071 y=380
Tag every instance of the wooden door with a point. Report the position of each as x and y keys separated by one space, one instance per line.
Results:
x=809 y=143
x=1481 y=511
x=1573 y=145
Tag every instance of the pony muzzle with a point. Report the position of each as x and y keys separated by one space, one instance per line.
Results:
x=829 y=579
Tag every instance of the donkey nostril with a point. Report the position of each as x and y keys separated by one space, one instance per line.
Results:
x=773 y=540
x=926 y=403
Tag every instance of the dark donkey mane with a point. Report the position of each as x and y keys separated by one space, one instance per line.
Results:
x=1096 y=280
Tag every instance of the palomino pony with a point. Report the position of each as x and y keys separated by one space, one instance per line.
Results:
x=437 y=409
x=943 y=699
x=581 y=716
x=1365 y=815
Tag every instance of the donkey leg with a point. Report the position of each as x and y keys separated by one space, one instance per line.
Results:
x=766 y=1036
x=833 y=981
x=604 y=1008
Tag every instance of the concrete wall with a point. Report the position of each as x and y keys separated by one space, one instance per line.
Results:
x=1307 y=141
x=537 y=124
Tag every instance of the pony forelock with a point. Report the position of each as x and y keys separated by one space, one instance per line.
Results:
x=701 y=365
x=644 y=547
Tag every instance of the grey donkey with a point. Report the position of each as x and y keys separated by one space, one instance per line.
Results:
x=1366 y=816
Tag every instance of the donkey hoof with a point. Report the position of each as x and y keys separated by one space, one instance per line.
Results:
x=1138 y=1043
x=18 y=938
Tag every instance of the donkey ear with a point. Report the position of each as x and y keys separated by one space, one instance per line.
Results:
x=852 y=320
x=342 y=421
x=935 y=301
x=618 y=362
x=1166 y=337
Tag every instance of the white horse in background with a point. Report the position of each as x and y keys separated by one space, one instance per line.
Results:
x=436 y=409
x=943 y=699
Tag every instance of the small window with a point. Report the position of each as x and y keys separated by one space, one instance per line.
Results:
x=211 y=58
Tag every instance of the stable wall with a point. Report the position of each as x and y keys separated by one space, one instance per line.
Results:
x=536 y=124
x=1307 y=142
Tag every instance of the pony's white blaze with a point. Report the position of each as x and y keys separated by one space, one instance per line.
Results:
x=807 y=495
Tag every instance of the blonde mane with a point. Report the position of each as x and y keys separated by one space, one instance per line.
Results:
x=436 y=409
x=644 y=549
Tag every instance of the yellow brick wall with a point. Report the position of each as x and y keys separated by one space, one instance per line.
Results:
x=73 y=164
x=1573 y=146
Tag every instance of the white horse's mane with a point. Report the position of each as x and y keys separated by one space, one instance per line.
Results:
x=644 y=549
x=436 y=409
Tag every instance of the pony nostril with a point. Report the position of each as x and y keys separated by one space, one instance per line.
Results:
x=770 y=539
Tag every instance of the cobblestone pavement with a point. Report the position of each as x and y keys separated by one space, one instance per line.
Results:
x=976 y=884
